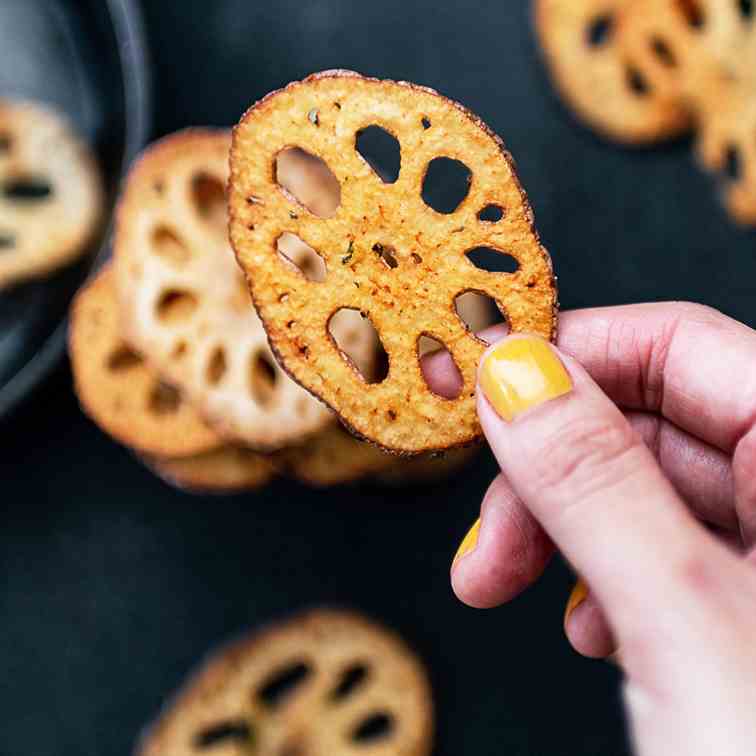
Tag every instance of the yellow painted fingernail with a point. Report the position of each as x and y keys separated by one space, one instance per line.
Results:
x=522 y=372
x=578 y=595
x=469 y=542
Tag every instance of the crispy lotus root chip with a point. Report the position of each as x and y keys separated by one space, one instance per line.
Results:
x=229 y=469
x=618 y=63
x=185 y=305
x=387 y=253
x=51 y=196
x=325 y=683
x=119 y=391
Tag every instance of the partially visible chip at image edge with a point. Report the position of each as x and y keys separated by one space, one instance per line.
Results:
x=387 y=253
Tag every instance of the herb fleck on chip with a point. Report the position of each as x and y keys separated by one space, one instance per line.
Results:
x=350 y=253
x=313 y=117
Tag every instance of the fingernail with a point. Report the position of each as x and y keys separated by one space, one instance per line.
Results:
x=469 y=542
x=522 y=372
x=578 y=595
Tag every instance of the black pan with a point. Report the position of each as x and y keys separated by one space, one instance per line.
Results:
x=87 y=58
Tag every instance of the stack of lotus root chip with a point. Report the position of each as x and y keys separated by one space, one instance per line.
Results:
x=170 y=357
x=642 y=71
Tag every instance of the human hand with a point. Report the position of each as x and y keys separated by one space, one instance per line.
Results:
x=633 y=449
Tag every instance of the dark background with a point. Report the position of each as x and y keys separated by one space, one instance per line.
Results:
x=112 y=585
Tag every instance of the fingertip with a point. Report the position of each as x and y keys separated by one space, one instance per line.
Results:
x=587 y=630
x=504 y=552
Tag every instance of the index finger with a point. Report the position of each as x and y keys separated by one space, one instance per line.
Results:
x=688 y=362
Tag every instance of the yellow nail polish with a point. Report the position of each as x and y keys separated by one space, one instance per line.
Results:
x=578 y=595
x=520 y=373
x=469 y=542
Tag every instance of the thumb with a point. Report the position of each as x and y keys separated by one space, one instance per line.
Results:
x=584 y=473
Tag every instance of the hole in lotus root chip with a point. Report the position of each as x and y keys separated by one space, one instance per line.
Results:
x=122 y=359
x=446 y=184
x=381 y=151
x=476 y=310
x=732 y=164
x=283 y=682
x=600 y=31
x=231 y=731
x=491 y=214
x=492 y=260
x=637 y=82
x=176 y=306
x=7 y=241
x=6 y=143
x=347 y=327
x=263 y=377
x=663 y=52
x=216 y=366
x=450 y=384
x=167 y=244
x=427 y=244
x=209 y=197
x=375 y=727
x=693 y=12
x=27 y=189
x=303 y=257
x=180 y=350
x=307 y=179
x=746 y=9
x=349 y=682
x=164 y=399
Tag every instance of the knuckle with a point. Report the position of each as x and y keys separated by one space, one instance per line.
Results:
x=585 y=456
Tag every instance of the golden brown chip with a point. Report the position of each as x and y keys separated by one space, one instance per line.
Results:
x=325 y=683
x=228 y=469
x=388 y=254
x=184 y=302
x=119 y=391
x=618 y=63
x=51 y=196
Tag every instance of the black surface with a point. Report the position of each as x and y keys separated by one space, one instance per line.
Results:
x=113 y=585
